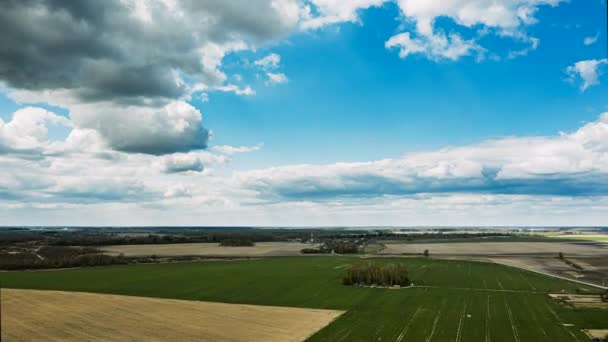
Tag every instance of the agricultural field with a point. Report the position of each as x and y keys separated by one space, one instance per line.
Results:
x=450 y=300
x=208 y=249
x=498 y=248
x=32 y=315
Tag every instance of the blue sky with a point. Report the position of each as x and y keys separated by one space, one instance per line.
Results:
x=372 y=117
x=355 y=100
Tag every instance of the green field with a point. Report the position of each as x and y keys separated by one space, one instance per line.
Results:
x=451 y=300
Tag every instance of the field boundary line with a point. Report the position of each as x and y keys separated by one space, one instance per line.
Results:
x=407 y=326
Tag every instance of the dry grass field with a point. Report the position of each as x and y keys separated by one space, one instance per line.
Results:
x=497 y=248
x=209 y=249
x=33 y=315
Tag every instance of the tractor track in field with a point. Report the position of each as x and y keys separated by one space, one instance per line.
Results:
x=460 y=322
x=488 y=318
x=428 y=339
x=408 y=325
x=559 y=320
x=513 y=327
x=472 y=289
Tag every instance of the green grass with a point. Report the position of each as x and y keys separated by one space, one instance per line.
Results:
x=448 y=295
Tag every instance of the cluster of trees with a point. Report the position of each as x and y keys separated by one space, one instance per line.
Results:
x=56 y=257
x=336 y=246
x=377 y=274
x=237 y=242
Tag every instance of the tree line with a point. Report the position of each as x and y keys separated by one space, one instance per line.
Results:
x=56 y=257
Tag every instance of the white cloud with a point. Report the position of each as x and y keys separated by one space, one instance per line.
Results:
x=588 y=71
x=336 y=11
x=230 y=150
x=232 y=88
x=591 y=40
x=435 y=47
x=506 y=18
x=277 y=78
x=271 y=61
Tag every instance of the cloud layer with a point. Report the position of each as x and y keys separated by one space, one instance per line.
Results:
x=80 y=176
x=573 y=164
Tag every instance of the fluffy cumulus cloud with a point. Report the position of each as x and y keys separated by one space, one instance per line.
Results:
x=573 y=164
x=83 y=169
x=27 y=132
x=128 y=65
x=175 y=127
x=588 y=72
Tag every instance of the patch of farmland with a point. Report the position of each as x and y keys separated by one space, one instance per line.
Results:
x=451 y=299
x=29 y=315
x=209 y=249
x=498 y=248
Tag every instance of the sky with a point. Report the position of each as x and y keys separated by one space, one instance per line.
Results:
x=304 y=113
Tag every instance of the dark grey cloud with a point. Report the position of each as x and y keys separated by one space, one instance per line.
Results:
x=121 y=51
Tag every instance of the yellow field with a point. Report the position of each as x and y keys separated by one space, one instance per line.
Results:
x=32 y=315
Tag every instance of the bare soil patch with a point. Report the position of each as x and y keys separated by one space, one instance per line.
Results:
x=33 y=315
x=498 y=248
x=596 y=333
x=534 y=256
x=209 y=249
x=581 y=301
